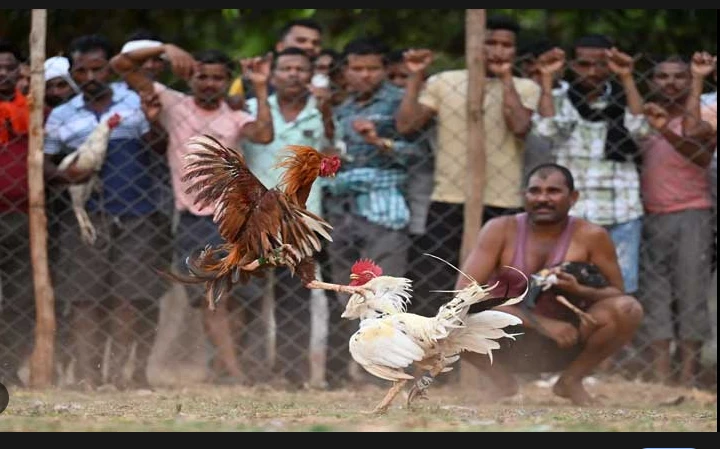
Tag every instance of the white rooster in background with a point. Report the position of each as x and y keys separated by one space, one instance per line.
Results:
x=390 y=340
x=89 y=156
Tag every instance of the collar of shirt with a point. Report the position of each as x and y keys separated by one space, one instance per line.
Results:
x=120 y=95
x=309 y=112
x=386 y=90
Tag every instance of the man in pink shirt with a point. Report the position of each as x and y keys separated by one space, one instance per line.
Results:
x=205 y=111
x=675 y=264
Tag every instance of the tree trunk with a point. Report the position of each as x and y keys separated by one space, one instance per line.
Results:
x=475 y=183
x=41 y=362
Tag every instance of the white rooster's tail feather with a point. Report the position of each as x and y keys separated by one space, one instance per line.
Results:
x=68 y=160
x=481 y=332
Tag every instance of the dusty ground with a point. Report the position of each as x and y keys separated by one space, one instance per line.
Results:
x=626 y=406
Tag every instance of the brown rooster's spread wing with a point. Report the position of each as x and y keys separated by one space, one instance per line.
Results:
x=222 y=180
x=253 y=220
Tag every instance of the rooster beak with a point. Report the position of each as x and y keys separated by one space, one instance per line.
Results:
x=354 y=277
x=344 y=315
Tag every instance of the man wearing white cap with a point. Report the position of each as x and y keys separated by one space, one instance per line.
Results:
x=59 y=85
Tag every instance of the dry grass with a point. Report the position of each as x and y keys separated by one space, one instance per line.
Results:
x=627 y=406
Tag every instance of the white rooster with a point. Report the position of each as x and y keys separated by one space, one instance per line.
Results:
x=89 y=156
x=390 y=340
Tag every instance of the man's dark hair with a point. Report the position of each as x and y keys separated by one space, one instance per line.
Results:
x=8 y=47
x=366 y=46
x=336 y=65
x=396 y=56
x=501 y=22
x=305 y=23
x=89 y=43
x=672 y=58
x=290 y=51
x=548 y=168
x=593 y=41
x=532 y=49
x=215 y=57
x=142 y=34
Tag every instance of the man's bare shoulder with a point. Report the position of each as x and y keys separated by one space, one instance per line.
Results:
x=500 y=226
x=590 y=232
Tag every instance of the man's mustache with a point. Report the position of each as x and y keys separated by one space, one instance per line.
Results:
x=544 y=206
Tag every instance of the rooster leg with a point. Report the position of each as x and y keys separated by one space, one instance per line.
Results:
x=251 y=266
x=339 y=288
x=87 y=230
x=284 y=255
x=421 y=385
x=382 y=407
x=584 y=317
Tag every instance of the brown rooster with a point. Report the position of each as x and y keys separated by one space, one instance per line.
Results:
x=261 y=227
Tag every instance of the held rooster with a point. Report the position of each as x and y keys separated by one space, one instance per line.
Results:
x=261 y=227
x=544 y=297
x=390 y=339
x=89 y=156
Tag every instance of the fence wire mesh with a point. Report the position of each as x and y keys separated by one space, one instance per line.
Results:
x=120 y=322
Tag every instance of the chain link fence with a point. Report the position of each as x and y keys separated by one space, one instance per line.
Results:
x=120 y=322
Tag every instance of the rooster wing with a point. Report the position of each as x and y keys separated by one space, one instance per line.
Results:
x=384 y=349
x=251 y=218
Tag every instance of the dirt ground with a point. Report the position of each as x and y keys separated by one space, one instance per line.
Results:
x=625 y=406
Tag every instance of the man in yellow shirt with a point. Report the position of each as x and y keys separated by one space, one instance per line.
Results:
x=508 y=109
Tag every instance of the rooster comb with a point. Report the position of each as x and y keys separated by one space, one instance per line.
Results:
x=365 y=265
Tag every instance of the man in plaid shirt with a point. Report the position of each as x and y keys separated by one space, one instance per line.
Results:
x=366 y=203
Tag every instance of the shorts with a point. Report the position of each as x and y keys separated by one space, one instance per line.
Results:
x=676 y=260
x=121 y=264
x=193 y=234
x=627 y=238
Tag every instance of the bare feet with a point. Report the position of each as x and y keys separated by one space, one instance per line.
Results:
x=573 y=390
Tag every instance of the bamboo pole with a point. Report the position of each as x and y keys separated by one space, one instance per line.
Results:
x=475 y=180
x=41 y=362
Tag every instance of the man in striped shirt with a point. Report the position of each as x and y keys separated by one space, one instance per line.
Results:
x=111 y=284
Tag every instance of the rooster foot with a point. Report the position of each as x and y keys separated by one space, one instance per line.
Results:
x=378 y=411
x=416 y=393
x=286 y=255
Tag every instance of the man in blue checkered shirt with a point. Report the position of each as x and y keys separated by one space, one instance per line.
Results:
x=366 y=203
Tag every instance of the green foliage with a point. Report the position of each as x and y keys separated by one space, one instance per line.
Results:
x=248 y=32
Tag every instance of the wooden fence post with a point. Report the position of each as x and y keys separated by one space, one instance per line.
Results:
x=475 y=183
x=41 y=362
